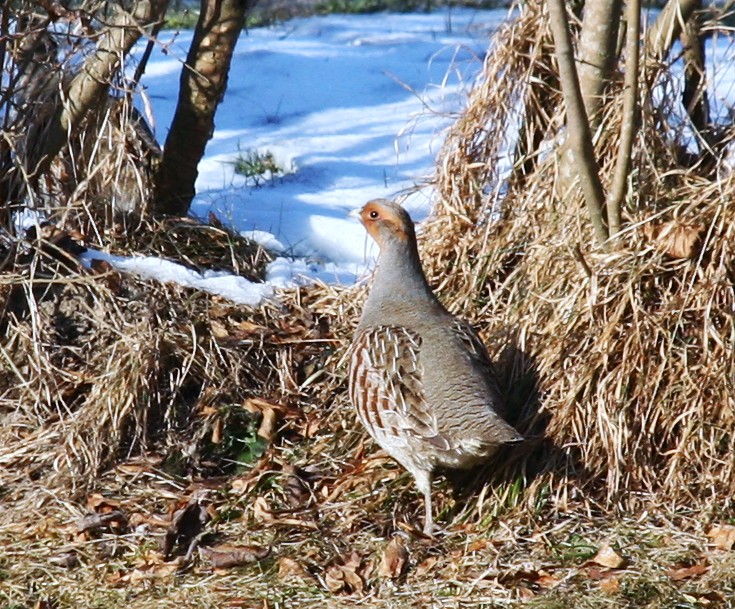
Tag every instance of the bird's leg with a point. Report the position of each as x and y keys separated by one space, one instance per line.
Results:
x=423 y=483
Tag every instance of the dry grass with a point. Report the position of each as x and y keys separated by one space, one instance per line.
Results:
x=123 y=396
x=631 y=348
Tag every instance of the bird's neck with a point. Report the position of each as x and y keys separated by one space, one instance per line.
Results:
x=399 y=282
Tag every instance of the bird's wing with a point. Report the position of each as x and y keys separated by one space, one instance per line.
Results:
x=386 y=387
x=477 y=352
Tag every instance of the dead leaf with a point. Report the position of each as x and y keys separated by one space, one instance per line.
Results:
x=90 y=522
x=152 y=572
x=687 y=572
x=394 y=560
x=218 y=329
x=607 y=557
x=344 y=578
x=262 y=511
x=426 y=565
x=226 y=556
x=676 y=238
x=217 y=426
x=610 y=585
x=187 y=524
x=526 y=594
x=297 y=489
x=267 y=429
x=722 y=536
x=477 y=545
x=546 y=580
x=288 y=567
x=67 y=560
x=101 y=504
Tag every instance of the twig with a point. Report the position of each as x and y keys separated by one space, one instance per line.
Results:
x=630 y=118
x=578 y=128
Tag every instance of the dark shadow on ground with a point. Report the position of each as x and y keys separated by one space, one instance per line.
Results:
x=520 y=464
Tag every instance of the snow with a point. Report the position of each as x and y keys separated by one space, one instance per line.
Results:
x=350 y=107
x=233 y=287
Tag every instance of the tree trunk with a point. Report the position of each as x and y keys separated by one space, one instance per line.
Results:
x=579 y=154
x=695 y=97
x=597 y=43
x=93 y=80
x=203 y=84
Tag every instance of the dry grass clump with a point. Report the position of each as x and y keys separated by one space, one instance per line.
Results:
x=98 y=366
x=631 y=348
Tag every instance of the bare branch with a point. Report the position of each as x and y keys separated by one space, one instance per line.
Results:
x=578 y=129
x=668 y=26
x=93 y=80
x=630 y=117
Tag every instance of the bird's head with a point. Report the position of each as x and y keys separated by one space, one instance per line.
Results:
x=387 y=223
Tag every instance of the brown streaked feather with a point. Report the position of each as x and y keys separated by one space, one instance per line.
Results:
x=386 y=388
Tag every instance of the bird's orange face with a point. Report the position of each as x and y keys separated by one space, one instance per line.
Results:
x=379 y=219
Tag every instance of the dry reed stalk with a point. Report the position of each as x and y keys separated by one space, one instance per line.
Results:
x=631 y=350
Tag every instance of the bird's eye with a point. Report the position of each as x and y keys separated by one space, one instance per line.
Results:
x=374 y=215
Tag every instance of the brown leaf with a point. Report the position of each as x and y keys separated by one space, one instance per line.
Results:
x=217 y=426
x=610 y=585
x=186 y=525
x=152 y=572
x=102 y=505
x=297 y=488
x=67 y=560
x=288 y=567
x=426 y=565
x=546 y=580
x=344 y=578
x=262 y=511
x=394 y=560
x=722 y=536
x=218 y=329
x=226 y=556
x=90 y=522
x=676 y=238
x=607 y=557
x=687 y=572
x=267 y=429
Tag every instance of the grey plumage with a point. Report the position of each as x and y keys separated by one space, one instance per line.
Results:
x=421 y=380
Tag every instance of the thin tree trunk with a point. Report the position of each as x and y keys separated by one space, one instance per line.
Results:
x=668 y=26
x=203 y=84
x=578 y=129
x=618 y=188
x=695 y=97
x=598 y=39
x=93 y=80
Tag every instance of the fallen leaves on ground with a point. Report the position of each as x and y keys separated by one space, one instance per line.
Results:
x=187 y=524
x=722 y=536
x=394 y=561
x=344 y=577
x=226 y=556
x=680 y=572
x=607 y=557
x=289 y=568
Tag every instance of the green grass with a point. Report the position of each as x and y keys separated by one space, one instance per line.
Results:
x=258 y=167
x=186 y=18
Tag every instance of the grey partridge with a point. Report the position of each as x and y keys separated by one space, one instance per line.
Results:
x=421 y=380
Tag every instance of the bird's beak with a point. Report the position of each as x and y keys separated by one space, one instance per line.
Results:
x=354 y=214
